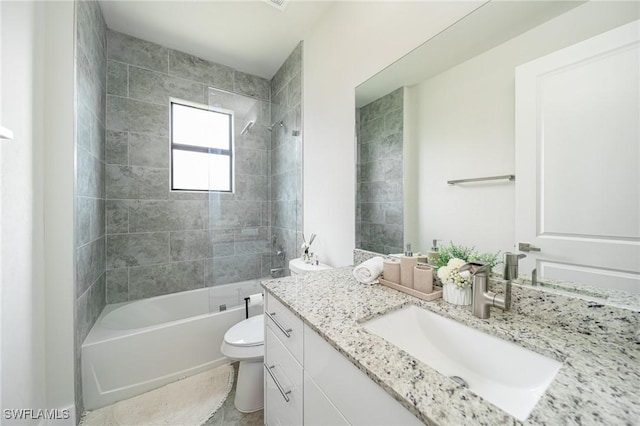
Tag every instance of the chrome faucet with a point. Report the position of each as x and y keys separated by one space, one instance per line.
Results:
x=481 y=298
x=511 y=265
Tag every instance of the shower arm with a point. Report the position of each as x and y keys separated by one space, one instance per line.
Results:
x=281 y=123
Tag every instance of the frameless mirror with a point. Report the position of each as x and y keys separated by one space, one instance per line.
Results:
x=447 y=112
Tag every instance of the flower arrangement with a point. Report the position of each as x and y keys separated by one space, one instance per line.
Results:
x=449 y=273
x=452 y=257
x=306 y=254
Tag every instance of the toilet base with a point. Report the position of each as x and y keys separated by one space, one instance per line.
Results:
x=250 y=387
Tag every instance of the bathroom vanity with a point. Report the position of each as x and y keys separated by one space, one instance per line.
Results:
x=334 y=371
x=307 y=381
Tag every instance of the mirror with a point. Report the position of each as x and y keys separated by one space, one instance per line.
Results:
x=445 y=112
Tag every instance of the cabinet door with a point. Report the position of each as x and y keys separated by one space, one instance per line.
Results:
x=318 y=410
x=356 y=396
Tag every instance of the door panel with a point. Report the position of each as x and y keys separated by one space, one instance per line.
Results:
x=578 y=161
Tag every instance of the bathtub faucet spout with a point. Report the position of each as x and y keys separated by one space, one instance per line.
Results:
x=277 y=272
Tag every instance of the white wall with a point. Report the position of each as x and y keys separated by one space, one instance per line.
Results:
x=466 y=129
x=59 y=203
x=0 y=209
x=37 y=233
x=353 y=41
x=23 y=327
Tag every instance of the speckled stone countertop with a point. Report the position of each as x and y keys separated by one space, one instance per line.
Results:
x=599 y=382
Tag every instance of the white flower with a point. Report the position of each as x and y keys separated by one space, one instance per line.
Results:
x=443 y=273
x=305 y=246
x=450 y=274
x=465 y=274
x=455 y=263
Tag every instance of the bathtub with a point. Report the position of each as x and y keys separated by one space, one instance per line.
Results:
x=141 y=345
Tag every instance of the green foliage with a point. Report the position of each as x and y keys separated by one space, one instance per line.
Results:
x=467 y=254
x=490 y=258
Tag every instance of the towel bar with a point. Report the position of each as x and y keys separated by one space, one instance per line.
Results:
x=508 y=177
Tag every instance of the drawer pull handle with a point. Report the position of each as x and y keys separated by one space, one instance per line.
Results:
x=284 y=394
x=285 y=331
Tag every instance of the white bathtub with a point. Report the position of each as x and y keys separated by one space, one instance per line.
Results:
x=141 y=345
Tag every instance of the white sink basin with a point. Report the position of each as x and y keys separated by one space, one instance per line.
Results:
x=509 y=376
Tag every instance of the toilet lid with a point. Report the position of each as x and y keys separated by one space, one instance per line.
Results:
x=249 y=332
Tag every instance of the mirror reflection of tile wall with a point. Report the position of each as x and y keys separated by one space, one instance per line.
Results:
x=379 y=215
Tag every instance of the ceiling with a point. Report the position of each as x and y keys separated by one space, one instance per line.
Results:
x=248 y=35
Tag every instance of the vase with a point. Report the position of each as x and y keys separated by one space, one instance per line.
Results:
x=458 y=296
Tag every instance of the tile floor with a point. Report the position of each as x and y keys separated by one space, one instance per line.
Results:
x=227 y=415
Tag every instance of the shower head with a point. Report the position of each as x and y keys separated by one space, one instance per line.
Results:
x=247 y=128
x=281 y=123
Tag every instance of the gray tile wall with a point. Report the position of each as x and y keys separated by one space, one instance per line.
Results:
x=158 y=241
x=239 y=223
x=91 y=70
x=360 y=256
x=379 y=210
x=286 y=156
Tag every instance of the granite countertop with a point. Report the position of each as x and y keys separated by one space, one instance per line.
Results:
x=599 y=382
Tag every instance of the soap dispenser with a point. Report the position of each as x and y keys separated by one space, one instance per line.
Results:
x=407 y=263
x=434 y=254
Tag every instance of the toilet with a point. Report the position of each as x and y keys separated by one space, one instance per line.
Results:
x=299 y=266
x=244 y=342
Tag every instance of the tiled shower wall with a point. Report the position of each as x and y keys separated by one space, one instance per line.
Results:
x=160 y=241
x=286 y=156
x=90 y=134
x=135 y=238
x=379 y=211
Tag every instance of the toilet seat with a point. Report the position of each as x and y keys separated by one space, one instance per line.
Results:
x=245 y=340
x=249 y=332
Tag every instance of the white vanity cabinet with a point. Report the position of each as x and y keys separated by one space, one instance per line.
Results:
x=318 y=409
x=358 y=399
x=283 y=365
x=321 y=385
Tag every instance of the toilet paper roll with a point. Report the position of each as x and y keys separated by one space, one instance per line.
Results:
x=391 y=271
x=255 y=299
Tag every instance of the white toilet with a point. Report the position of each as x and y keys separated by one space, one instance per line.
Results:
x=299 y=266
x=244 y=342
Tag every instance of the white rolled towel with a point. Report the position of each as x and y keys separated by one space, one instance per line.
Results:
x=368 y=272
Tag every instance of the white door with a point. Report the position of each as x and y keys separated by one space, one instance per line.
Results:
x=578 y=161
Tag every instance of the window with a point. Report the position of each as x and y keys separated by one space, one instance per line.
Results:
x=201 y=148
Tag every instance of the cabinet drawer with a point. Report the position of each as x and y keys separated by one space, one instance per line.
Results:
x=285 y=325
x=283 y=384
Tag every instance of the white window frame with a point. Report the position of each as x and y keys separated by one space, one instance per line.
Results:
x=194 y=148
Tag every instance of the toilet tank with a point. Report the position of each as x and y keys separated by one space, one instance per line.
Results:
x=298 y=266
